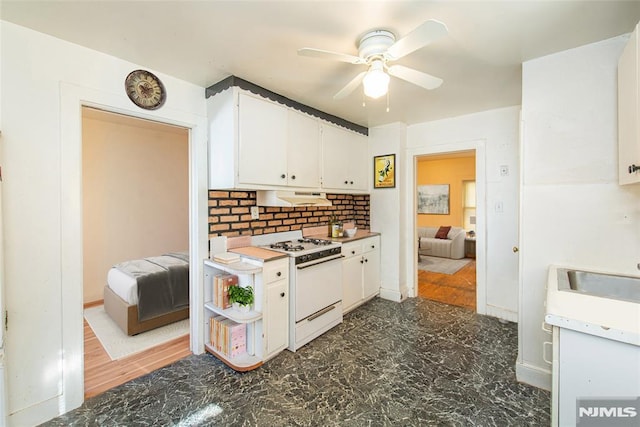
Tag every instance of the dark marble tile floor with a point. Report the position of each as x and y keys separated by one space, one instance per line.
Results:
x=418 y=363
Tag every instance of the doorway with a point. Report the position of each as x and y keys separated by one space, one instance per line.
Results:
x=135 y=185
x=446 y=191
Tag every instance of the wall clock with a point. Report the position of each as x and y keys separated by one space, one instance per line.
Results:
x=145 y=89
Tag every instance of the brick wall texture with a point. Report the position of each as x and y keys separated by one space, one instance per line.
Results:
x=230 y=214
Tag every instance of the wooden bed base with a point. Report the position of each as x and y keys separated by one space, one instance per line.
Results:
x=126 y=316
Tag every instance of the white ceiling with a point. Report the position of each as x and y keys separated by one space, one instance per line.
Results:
x=205 y=41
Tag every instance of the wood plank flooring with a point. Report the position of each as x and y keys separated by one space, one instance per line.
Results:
x=457 y=289
x=101 y=373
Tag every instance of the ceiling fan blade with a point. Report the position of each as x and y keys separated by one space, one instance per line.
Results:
x=334 y=56
x=350 y=87
x=414 y=76
x=426 y=33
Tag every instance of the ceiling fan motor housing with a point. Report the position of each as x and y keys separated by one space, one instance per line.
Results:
x=375 y=44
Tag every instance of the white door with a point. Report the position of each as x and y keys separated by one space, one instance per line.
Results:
x=3 y=403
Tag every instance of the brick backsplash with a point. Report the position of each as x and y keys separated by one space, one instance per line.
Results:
x=230 y=214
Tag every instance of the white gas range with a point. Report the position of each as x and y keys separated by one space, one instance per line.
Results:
x=315 y=283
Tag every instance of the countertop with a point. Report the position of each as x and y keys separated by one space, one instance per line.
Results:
x=262 y=254
x=259 y=254
x=360 y=234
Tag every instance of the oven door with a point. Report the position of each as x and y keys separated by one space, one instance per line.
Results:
x=318 y=285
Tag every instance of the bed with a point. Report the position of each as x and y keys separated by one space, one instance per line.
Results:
x=144 y=294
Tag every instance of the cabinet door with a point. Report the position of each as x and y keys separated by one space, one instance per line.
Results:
x=303 y=151
x=358 y=163
x=628 y=111
x=371 y=274
x=335 y=158
x=262 y=135
x=276 y=317
x=351 y=282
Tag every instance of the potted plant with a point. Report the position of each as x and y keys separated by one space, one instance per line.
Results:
x=240 y=297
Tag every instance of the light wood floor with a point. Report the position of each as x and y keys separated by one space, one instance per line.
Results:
x=455 y=289
x=101 y=373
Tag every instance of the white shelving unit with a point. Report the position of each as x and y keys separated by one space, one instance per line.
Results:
x=247 y=273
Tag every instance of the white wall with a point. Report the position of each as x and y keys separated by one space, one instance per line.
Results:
x=44 y=82
x=387 y=211
x=573 y=210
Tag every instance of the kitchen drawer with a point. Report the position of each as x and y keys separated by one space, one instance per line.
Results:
x=352 y=249
x=370 y=244
x=276 y=270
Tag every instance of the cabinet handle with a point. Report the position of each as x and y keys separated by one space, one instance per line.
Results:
x=633 y=168
x=346 y=182
x=373 y=246
x=293 y=177
x=353 y=252
x=351 y=182
x=278 y=274
x=361 y=262
x=366 y=260
x=283 y=176
x=282 y=294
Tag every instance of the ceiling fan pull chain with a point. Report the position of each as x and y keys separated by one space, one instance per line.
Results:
x=387 y=102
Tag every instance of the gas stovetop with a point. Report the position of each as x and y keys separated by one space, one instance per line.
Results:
x=293 y=244
x=300 y=245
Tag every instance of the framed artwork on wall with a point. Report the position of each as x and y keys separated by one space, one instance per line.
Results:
x=384 y=171
x=433 y=199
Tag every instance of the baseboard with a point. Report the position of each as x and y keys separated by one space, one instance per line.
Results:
x=40 y=412
x=501 y=313
x=534 y=376
x=392 y=295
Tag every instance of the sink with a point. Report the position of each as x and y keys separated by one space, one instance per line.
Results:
x=624 y=288
x=600 y=303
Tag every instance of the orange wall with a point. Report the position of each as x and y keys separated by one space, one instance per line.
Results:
x=446 y=171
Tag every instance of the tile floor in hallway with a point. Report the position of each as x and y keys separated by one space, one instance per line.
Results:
x=416 y=363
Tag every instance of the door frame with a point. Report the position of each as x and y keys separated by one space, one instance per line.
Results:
x=411 y=267
x=72 y=99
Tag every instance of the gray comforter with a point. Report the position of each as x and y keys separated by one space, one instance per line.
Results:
x=163 y=283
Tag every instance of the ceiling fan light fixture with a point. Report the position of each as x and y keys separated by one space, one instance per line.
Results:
x=376 y=82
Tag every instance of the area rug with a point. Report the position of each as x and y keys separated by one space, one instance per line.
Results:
x=441 y=265
x=119 y=345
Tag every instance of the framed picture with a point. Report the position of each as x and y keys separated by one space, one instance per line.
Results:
x=384 y=171
x=433 y=199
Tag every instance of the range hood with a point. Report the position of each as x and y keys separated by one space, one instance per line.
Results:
x=291 y=198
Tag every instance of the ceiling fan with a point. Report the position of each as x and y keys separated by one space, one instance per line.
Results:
x=379 y=47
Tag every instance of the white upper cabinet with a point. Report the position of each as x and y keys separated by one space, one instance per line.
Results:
x=344 y=159
x=258 y=144
x=262 y=134
x=629 y=112
x=303 y=150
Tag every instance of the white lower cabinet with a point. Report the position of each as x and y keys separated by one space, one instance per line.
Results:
x=266 y=324
x=276 y=316
x=360 y=272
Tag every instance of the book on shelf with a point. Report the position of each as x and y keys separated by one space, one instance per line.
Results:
x=226 y=258
x=221 y=284
x=228 y=337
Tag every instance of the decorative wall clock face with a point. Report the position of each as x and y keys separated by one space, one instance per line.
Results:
x=145 y=89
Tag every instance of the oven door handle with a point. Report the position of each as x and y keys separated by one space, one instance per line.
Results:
x=320 y=313
x=302 y=267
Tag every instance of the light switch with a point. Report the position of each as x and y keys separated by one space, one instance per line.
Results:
x=255 y=212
